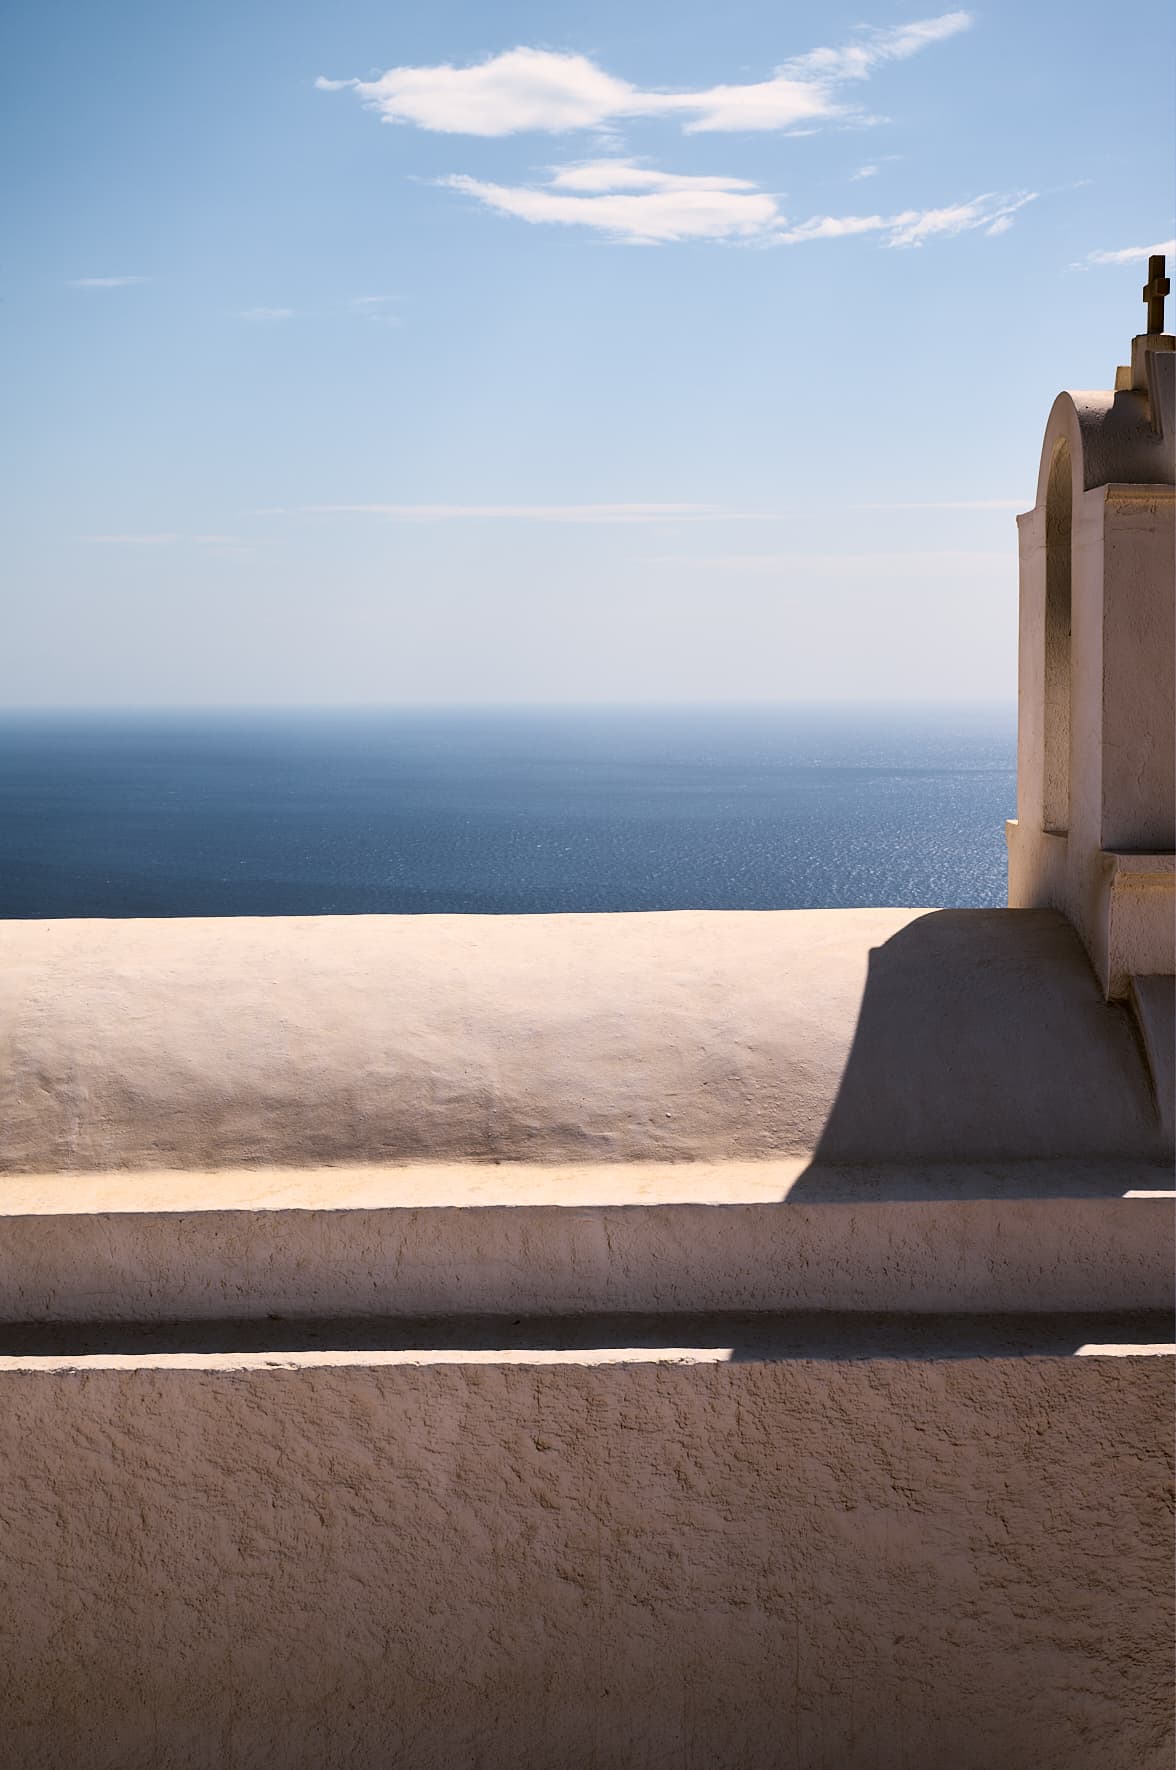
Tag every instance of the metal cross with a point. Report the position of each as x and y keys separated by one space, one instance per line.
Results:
x=1154 y=290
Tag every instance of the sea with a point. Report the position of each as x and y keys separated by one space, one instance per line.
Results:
x=503 y=811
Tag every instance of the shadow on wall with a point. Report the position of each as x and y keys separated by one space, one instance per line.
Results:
x=983 y=1036
x=718 y=1337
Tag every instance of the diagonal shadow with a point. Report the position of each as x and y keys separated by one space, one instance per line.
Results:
x=983 y=1036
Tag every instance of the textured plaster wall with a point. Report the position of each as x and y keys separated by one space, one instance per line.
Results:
x=869 y=1035
x=1140 y=895
x=510 y=1240
x=1139 y=668
x=790 y=1565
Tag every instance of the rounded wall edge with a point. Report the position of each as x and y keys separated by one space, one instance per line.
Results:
x=1111 y=440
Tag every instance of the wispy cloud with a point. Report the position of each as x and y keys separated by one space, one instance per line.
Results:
x=573 y=513
x=1132 y=254
x=375 y=308
x=267 y=313
x=930 y=563
x=593 y=177
x=644 y=206
x=105 y=282
x=538 y=89
x=165 y=540
x=912 y=227
x=635 y=204
x=949 y=504
x=169 y=539
x=873 y=167
x=874 y=45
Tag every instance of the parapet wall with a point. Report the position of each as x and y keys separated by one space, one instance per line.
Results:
x=855 y=1035
x=612 y=1561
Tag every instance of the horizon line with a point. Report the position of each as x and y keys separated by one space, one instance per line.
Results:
x=692 y=704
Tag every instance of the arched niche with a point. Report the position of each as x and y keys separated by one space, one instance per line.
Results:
x=1059 y=526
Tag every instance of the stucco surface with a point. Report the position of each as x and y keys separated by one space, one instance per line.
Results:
x=614 y=1564
x=1154 y=1002
x=430 y=1240
x=1118 y=438
x=866 y=1035
x=1139 y=671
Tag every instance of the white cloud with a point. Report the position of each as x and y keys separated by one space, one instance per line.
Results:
x=596 y=176
x=950 y=504
x=573 y=513
x=163 y=540
x=105 y=282
x=643 y=206
x=911 y=227
x=932 y=563
x=132 y=540
x=873 y=167
x=1001 y=225
x=375 y=308
x=987 y=211
x=268 y=313
x=878 y=45
x=631 y=203
x=1132 y=254
x=522 y=89
x=805 y=89
x=538 y=89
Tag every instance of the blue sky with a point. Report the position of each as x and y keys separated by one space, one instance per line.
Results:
x=361 y=352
